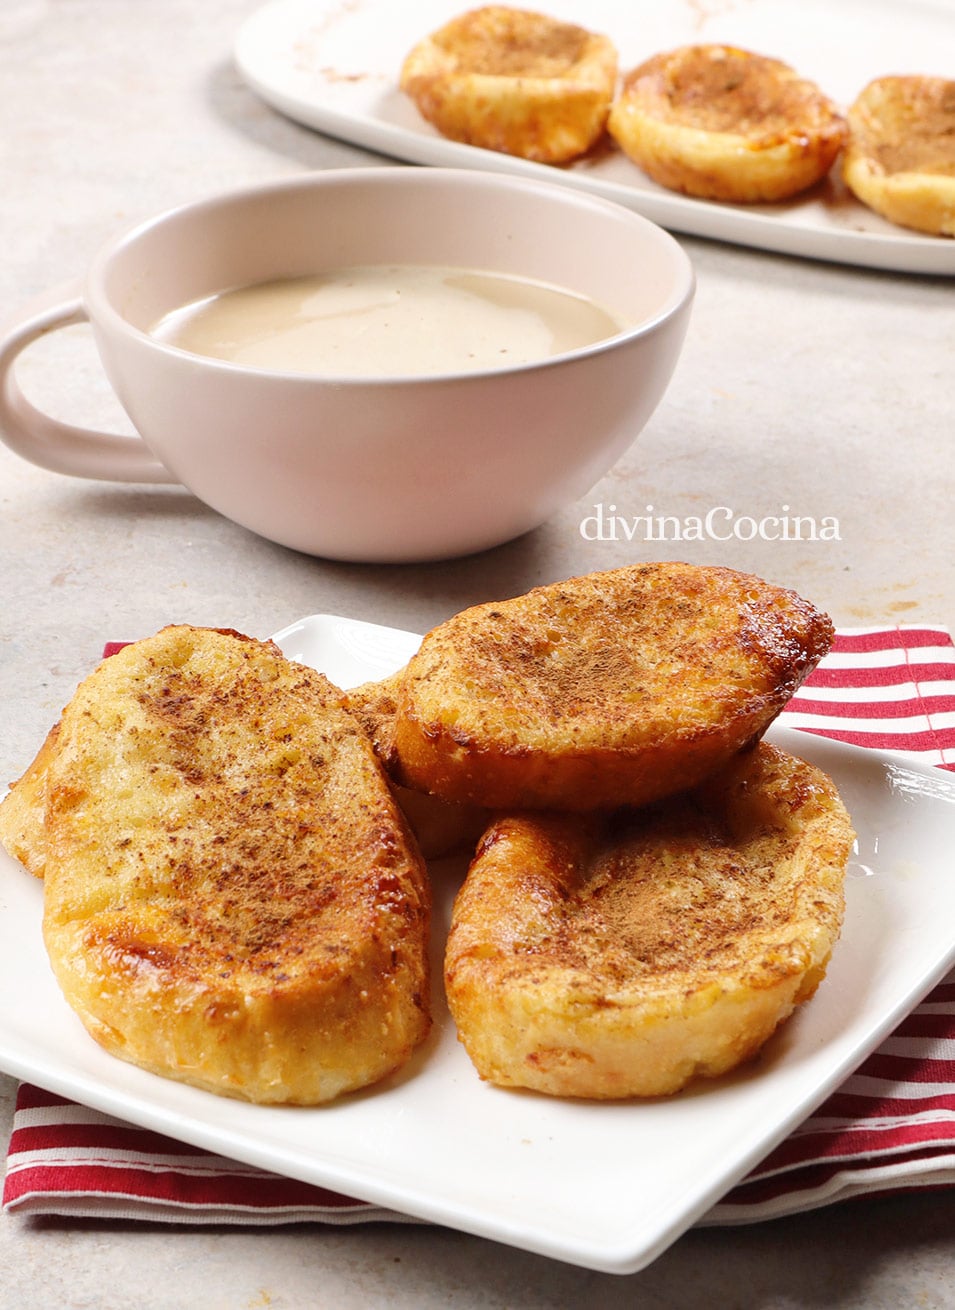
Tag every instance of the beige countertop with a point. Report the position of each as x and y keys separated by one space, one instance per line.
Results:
x=823 y=388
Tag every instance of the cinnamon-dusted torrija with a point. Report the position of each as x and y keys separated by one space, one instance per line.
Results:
x=514 y=81
x=231 y=895
x=615 y=688
x=630 y=954
x=900 y=159
x=721 y=123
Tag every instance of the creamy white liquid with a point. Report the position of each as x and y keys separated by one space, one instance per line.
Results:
x=388 y=320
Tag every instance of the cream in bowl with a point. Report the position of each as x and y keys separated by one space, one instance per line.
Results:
x=389 y=319
x=383 y=364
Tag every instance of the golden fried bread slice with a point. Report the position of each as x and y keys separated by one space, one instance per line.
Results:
x=23 y=810
x=615 y=688
x=722 y=123
x=514 y=81
x=900 y=159
x=440 y=827
x=231 y=896
x=628 y=956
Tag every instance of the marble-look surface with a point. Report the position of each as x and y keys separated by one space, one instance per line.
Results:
x=824 y=388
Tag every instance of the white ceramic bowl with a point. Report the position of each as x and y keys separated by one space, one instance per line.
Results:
x=381 y=469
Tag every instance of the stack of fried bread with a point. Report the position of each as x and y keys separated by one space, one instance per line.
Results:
x=656 y=888
x=231 y=895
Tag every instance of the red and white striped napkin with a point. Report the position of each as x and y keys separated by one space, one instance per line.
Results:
x=890 y=1127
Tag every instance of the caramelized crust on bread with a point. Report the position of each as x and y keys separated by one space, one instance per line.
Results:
x=612 y=689
x=231 y=894
x=900 y=160
x=722 y=123
x=630 y=955
x=514 y=81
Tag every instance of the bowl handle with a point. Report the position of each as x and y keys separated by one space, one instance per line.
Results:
x=46 y=441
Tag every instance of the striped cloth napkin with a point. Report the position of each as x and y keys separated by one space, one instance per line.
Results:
x=890 y=1127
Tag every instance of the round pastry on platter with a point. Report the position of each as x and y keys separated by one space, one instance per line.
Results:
x=514 y=81
x=721 y=123
x=900 y=158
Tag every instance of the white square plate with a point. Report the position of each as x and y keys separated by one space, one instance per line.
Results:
x=605 y=1186
x=334 y=65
